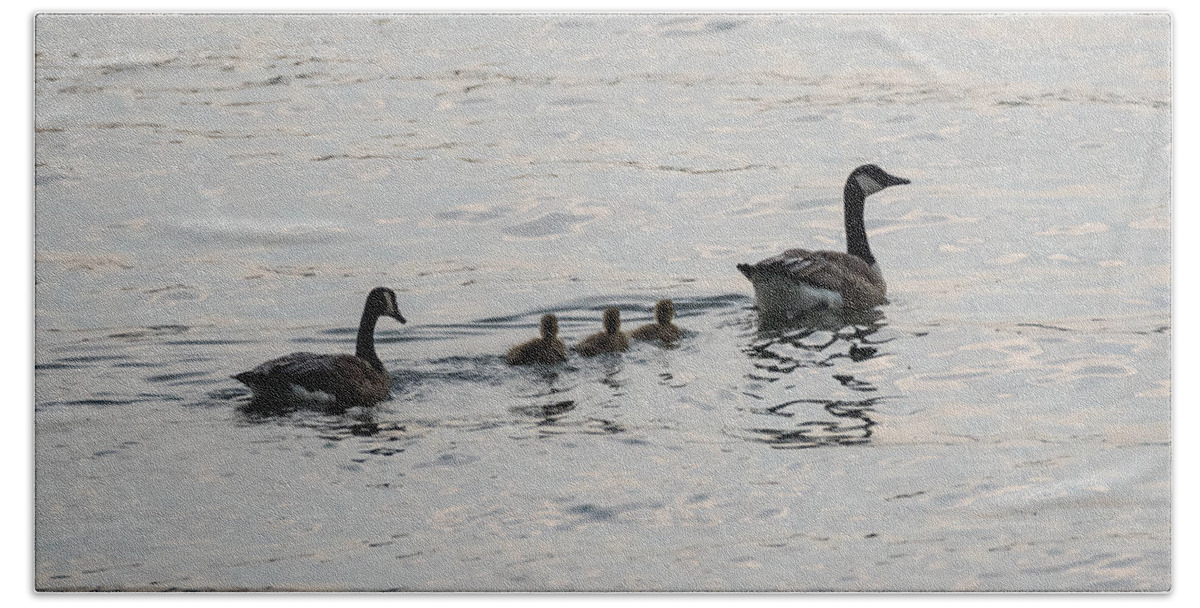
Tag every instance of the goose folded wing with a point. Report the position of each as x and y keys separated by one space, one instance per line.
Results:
x=320 y=372
x=814 y=268
x=295 y=365
x=859 y=283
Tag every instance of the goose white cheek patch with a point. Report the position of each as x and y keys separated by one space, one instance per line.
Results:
x=868 y=185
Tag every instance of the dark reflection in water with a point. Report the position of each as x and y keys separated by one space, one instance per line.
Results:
x=552 y=414
x=816 y=340
x=332 y=424
x=546 y=414
x=549 y=407
x=852 y=427
x=780 y=347
x=612 y=371
x=552 y=419
x=269 y=410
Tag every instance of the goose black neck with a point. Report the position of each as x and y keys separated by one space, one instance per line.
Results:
x=856 y=231
x=366 y=339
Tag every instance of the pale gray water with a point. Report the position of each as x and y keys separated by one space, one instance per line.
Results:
x=216 y=191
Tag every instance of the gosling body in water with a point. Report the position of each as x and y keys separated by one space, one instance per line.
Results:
x=347 y=380
x=547 y=349
x=662 y=329
x=611 y=340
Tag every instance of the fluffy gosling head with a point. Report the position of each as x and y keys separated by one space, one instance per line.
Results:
x=664 y=311
x=549 y=327
x=612 y=320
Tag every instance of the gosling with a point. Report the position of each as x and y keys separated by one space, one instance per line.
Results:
x=611 y=340
x=662 y=329
x=547 y=349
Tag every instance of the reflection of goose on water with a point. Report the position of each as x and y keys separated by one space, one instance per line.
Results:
x=611 y=340
x=547 y=349
x=852 y=427
x=349 y=380
x=798 y=279
x=662 y=329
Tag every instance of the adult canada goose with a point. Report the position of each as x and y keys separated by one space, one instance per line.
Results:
x=611 y=340
x=547 y=349
x=662 y=328
x=798 y=279
x=348 y=380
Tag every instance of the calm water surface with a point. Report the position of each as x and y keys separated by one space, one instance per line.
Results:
x=216 y=191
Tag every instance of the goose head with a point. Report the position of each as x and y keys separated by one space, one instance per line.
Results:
x=664 y=311
x=871 y=179
x=381 y=302
x=612 y=320
x=549 y=327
